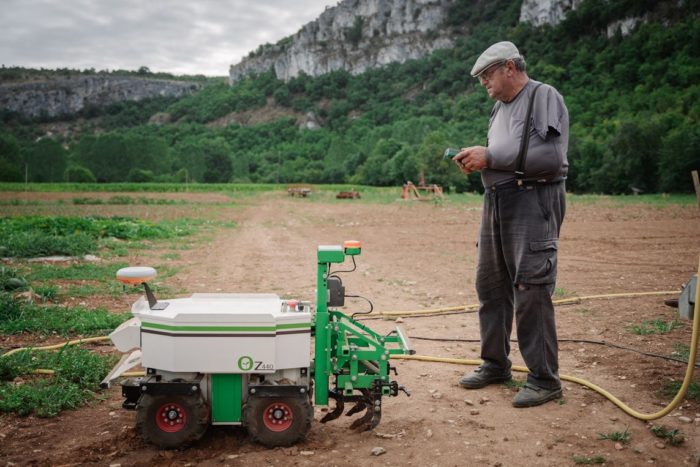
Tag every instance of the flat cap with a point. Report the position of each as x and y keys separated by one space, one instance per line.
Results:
x=498 y=52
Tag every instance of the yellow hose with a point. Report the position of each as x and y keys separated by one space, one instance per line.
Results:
x=563 y=301
x=465 y=308
x=627 y=409
x=57 y=346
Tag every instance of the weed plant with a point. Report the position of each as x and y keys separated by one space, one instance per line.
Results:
x=657 y=326
x=76 y=378
x=584 y=460
x=674 y=436
x=561 y=292
x=671 y=389
x=47 y=293
x=514 y=383
x=619 y=436
x=17 y=317
x=681 y=351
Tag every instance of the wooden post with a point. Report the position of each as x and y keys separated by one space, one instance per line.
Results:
x=696 y=183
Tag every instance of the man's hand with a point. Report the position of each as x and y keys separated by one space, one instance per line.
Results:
x=471 y=159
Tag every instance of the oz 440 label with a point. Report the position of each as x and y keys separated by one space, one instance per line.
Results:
x=246 y=363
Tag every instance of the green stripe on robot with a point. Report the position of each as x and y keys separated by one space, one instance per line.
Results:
x=270 y=329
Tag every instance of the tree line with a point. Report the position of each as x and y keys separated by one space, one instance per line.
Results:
x=633 y=104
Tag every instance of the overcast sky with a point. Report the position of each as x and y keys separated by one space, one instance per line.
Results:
x=176 y=36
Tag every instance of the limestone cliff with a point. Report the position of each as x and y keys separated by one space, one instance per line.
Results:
x=56 y=97
x=355 y=35
x=541 y=12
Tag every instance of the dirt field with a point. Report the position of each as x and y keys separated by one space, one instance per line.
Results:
x=419 y=256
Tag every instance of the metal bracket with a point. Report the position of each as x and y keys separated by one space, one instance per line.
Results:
x=282 y=390
x=151 y=385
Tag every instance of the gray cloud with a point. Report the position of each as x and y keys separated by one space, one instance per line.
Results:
x=177 y=36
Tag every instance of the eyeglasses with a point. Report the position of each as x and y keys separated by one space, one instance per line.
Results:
x=487 y=74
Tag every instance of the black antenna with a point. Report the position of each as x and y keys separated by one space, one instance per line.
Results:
x=149 y=295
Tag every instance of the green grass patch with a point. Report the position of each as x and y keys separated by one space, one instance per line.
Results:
x=659 y=199
x=170 y=256
x=132 y=245
x=657 y=326
x=674 y=436
x=561 y=292
x=585 y=460
x=18 y=202
x=18 y=317
x=34 y=244
x=47 y=292
x=619 y=436
x=91 y=290
x=111 y=247
x=514 y=383
x=182 y=246
x=681 y=351
x=32 y=236
x=101 y=279
x=113 y=289
x=78 y=373
x=77 y=271
x=671 y=388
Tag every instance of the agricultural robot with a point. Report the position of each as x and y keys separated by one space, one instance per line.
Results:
x=244 y=359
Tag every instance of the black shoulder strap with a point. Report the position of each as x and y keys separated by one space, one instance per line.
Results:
x=525 y=140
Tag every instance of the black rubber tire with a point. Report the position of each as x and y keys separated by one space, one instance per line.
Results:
x=196 y=420
x=301 y=413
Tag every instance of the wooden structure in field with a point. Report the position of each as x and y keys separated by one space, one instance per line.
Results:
x=301 y=191
x=422 y=192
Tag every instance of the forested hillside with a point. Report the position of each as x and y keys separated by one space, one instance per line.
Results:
x=634 y=102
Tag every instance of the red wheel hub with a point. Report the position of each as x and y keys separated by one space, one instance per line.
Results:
x=171 y=417
x=278 y=417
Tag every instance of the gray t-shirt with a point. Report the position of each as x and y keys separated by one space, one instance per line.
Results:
x=549 y=137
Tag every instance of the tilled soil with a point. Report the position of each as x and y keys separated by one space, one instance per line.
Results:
x=418 y=256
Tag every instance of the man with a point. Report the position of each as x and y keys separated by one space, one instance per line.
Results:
x=524 y=205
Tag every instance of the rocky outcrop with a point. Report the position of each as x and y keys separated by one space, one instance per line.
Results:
x=56 y=97
x=552 y=12
x=541 y=12
x=355 y=35
x=625 y=26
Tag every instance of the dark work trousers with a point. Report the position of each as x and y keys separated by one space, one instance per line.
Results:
x=516 y=272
